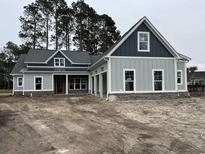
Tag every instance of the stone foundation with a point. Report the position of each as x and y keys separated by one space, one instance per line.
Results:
x=147 y=96
x=34 y=93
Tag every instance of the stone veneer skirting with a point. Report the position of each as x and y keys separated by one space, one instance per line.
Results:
x=147 y=96
x=34 y=93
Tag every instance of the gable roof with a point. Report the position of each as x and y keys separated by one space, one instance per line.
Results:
x=109 y=52
x=19 y=65
x=43 y=56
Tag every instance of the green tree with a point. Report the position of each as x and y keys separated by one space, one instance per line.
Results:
x=190 y=71
x=66 y=25
x=46 y=9
x=58 y=6
x=31 y=26
x=108 y=33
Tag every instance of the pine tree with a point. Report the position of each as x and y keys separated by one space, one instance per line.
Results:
x=108 y=33
x=58 y=6
x=46 y=9
x=31 y=28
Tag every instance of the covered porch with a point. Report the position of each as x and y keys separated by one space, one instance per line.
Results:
x=70 y=83
x=99 y=84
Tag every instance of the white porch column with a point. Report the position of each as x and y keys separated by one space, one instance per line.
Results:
x=101 y=85
x=90 y=84
x=66 y=83
x=95 y=85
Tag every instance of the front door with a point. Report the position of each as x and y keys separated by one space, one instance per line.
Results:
x=60 y=83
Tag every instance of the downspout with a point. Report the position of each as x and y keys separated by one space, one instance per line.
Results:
x=23 y=84
x=13 y=87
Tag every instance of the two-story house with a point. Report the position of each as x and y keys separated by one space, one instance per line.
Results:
x=141 y=63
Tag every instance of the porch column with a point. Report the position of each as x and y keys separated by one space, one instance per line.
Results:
x=90 y=84
x=95 y=85
x=66 y=83
x=101 y=85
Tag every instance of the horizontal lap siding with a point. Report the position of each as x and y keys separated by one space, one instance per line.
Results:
x=29 y=81
x=143 y=68
x=181 y=66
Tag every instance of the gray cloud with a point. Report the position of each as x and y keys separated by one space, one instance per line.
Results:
x=181 y=22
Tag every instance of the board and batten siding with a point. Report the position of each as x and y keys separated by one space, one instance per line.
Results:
x=181 y=65
x=29 y=81
x=143 y=70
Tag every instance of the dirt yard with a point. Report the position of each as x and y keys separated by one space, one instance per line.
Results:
x=87 y=125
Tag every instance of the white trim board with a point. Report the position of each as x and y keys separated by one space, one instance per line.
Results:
x=134 y=82
x=163 y=83
x=138 y=41
x=18 y=82
x=34 y=86
x=179 y=84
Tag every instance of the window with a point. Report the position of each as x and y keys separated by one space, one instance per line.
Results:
x=38 y=83
x=179 y=77
x=59 y=62
x=129 y=80
x=143 y=42
x=19 y=82
x=158 y=80
x=78 y=84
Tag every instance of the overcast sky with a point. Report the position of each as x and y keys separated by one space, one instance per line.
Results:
x=181 y=22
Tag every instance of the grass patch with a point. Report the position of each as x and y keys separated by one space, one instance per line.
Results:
x=5 y=92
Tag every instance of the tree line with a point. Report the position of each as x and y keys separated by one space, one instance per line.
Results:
x=53 y=24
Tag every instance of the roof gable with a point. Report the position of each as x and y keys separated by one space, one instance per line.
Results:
x=130 y=46
x=151 y=28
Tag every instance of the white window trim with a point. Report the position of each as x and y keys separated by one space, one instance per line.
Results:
x=35 y=83
x=124 y=70
x=163 y=85
x=80 y=84
x=59 y=62
x=181 y=78
x=138 y=41
x=18 y=82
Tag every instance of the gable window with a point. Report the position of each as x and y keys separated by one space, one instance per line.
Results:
x=129 y=80
x=19 y=82
x=158 y=78
x=38 y=83
x=59 y=62
x=179 y=77
x=143 y=42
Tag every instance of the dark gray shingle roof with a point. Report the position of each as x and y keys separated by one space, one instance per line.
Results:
x=43 y=55
x=19 y=65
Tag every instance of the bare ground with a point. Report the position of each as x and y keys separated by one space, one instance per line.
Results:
x=87 y=125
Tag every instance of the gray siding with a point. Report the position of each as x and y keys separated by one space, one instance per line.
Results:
x=15 y=87
x=29 y=81
x=99 y=69
x=181 y=66
x=58 y=55
x=143 y=69
x=129 y=47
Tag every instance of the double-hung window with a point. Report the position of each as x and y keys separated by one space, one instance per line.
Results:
x=179 y=77
x=129 y=80
x=78 y=84
x=143 y=42
x=19 y=82
x=158 y=78
x=38 y=83
x=59 y=62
